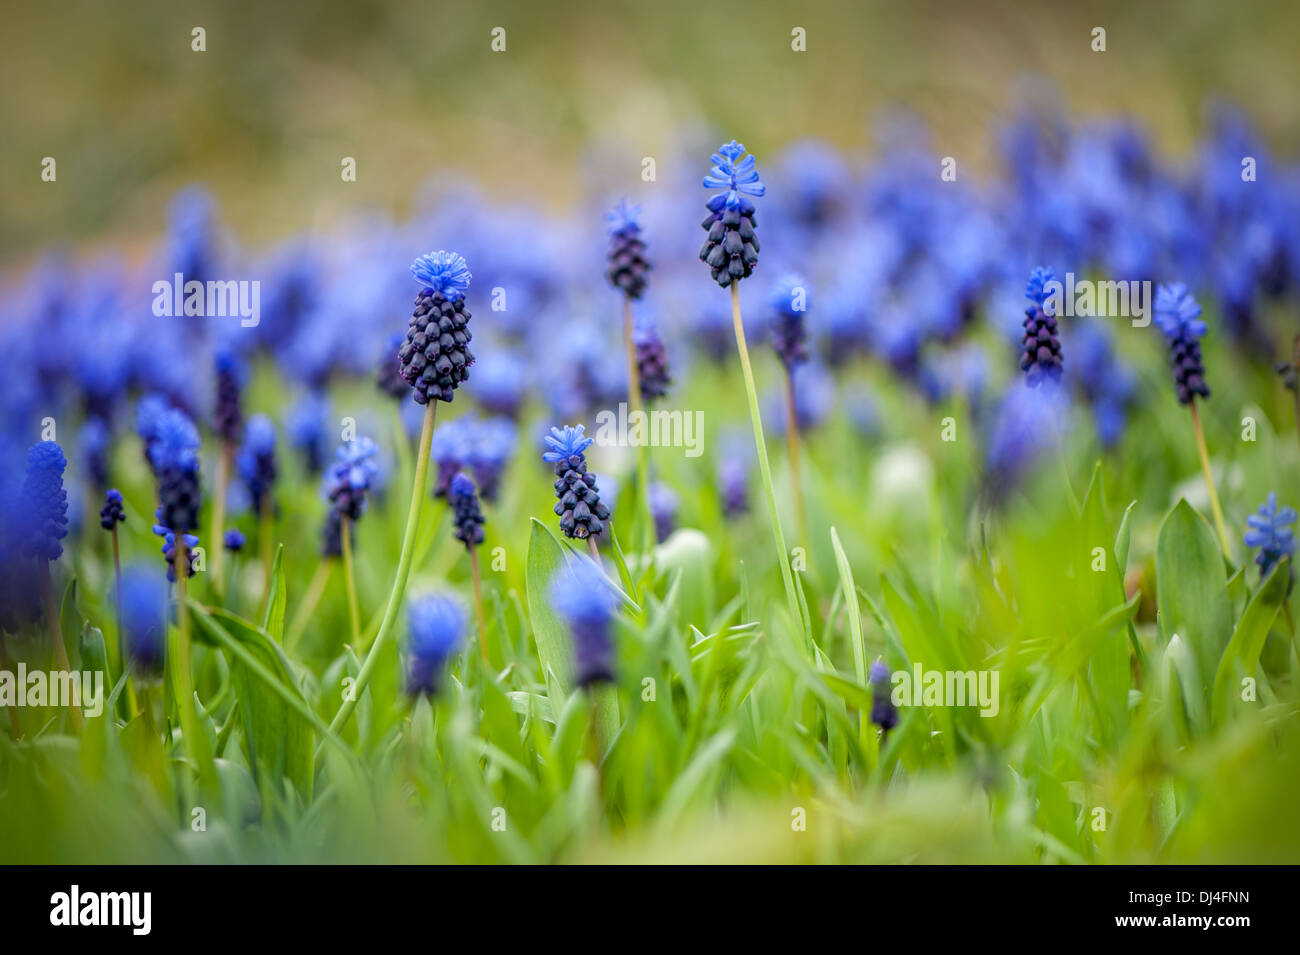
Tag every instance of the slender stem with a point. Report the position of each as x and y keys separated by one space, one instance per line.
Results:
x=478 y=605
x=646 y=519
x=403 y=571
x=265 y=535
x=1219 y=527
x=310 y=600
x=354 y=612
x=792 y=445
x=13 y=707
x=218 y=516
x=129 y=695
x=196 y=742
x=56 y=636
x=760 y=447
x=593 y=549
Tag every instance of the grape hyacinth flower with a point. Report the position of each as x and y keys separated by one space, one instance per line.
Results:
x=1178 y=315
x=436 y=623
x=169 y=551
x=627 y=260
x=664 y=504
x=228 y=416
x=257 y=463
x=450 y=448
x=234 y=540
x=731 y=249
x=467 y=519
x=1041 y=359
x=582 y=514
x=789 y=301
x=581 y=594
x=308 y=430
x=142 y=600
x=45 y=502
x=435 y=358
x=492 y=442
x=44 y=515
x=1270 y=532
x=883 y=712
x=174 y=455
x=350 y=477
x=731 y=252
x=651 y=363
x=112 y=513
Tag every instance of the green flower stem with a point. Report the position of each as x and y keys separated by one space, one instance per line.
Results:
x=310 y=601
x=478 y=607
x=13 y=708
x=128 y=696
x=354 y=611
x=1219 y=527
x=178 y=662
x=760 y=446
x=56 y=635
x=792 y=446
x=403 y=571
x=645 y=518
x=218 y=516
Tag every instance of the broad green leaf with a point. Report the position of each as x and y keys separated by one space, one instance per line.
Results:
x=1241 y=657
x=545 y=557
x=1191 y=588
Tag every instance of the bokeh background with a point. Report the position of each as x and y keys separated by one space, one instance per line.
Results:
x=115 y=94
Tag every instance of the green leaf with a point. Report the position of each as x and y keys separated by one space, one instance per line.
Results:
x=545 y=557
x=278 y=733
x=1241 y=657
x=1192 y=588
x=273 y=620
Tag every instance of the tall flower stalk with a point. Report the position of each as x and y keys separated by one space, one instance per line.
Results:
x=627 y=272
x=348 y=482
x=789 y=301
x=435 y=359
x=731 y=252
x=1178 y=315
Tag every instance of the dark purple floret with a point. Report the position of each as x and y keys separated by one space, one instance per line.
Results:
x=234 y=540
x=169 y=551
x=467 y=517
x=1178 y=315
x=628 y=265
x=652 y=364
x=731 y=249
x=1041 y=358
x=112 y=513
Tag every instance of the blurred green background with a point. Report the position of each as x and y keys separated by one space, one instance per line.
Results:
x=115 y=94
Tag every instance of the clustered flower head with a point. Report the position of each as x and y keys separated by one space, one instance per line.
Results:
x=580 y=510
x=582 y=595
x=173 y=452
x=256 y=462
x=1041 y=358
x=628 y=265
x=437 y=624
x=350 y=477
x=113 y=512
x=789 y=301
x=731 y=249
x=143 y=608
x=234 y=540
x=1178 y=315
x=45 y=502
x=190 y=541
x=1270 y=531
x=883 y=712
x=652 y=363
x=435 y=357
x=228 y=417
x=467 y=518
